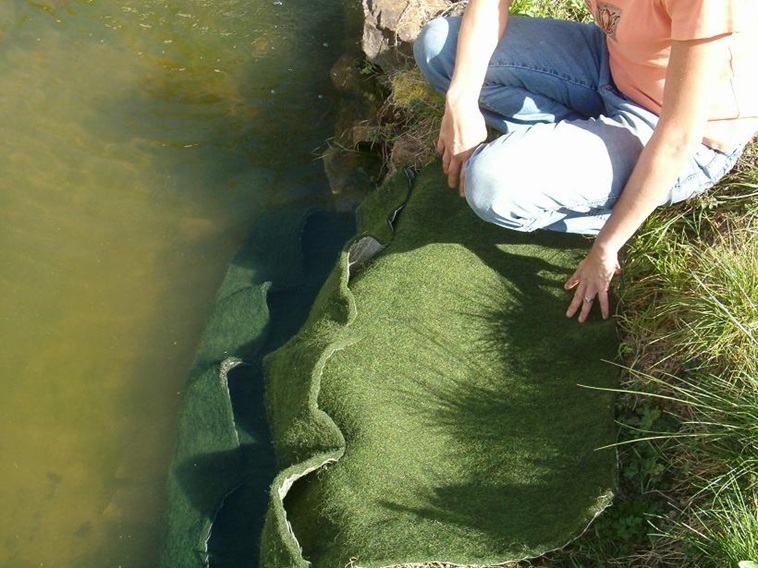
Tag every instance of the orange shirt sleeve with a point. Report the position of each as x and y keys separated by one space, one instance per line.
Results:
x=703 y=19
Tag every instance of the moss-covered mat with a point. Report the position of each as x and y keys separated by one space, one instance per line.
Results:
x=224 y=464
x=430 y=407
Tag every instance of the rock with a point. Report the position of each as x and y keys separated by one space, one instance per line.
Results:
x=408 y=150
x=352 y=164
x=390 y=26
x=360 y=95
x=351 y=174
x=347 y=77
x=364 y=133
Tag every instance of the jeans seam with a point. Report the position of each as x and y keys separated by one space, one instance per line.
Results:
x=704 y=170
x=549 y=72
x=592 y=205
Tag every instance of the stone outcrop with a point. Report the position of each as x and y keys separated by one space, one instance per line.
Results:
x=352 y=163
x=390 y=26
x=352 y=171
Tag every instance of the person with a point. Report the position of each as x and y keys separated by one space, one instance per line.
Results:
x=601 y=122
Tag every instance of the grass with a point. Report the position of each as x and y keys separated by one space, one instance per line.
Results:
x=689 y=319
x=687 y=407
x=405 y=129
x=563 y=9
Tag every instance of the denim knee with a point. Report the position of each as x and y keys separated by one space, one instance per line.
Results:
x=430 y=41
x=434 y=51
x=493 y=198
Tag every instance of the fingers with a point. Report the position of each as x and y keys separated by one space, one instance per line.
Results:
x=461 y=161
x=575 y=304
x=462 y=186
x=584 y=298
x=451 y=165
x=583 y=301
x=605 y=306
x=582 y=304
x=445 y=160
x=587 y=302
x=571 y=282
x=453 y=171
x=590 y=283
x=585 y=312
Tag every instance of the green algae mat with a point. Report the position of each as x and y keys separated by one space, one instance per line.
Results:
x=434 y=406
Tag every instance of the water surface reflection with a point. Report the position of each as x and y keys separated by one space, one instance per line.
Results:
x=140 y=140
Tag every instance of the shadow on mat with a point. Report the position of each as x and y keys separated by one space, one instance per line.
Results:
x=468 y=439
x=531 y=425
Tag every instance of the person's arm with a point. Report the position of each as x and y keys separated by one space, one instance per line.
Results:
x=686 y=98
x=463 y=127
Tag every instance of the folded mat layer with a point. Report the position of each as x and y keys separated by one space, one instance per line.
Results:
x=223 y=463
x=430 y=408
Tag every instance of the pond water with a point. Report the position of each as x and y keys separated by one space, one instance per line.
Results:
x=140 y=140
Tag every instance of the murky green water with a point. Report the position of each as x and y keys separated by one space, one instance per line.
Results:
x=139 y=141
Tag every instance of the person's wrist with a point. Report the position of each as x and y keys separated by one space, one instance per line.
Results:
x=457 y=98
x=606 y=249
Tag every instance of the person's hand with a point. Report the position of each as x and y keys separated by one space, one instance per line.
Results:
x=591 y=281
x=462 y=130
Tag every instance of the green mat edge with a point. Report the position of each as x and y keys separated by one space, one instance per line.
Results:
x=244 y=287
x=283 y=550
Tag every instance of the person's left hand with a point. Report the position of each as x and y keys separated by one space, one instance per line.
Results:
x=591 y=281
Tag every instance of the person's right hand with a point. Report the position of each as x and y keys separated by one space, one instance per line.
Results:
x=462 y=130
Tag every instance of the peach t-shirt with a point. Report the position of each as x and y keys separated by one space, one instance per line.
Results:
x=639 y=35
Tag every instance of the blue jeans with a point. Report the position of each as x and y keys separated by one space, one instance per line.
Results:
x=570 y=138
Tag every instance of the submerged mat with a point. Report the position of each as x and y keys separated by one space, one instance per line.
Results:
x=223 y=463
x=429 y=409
